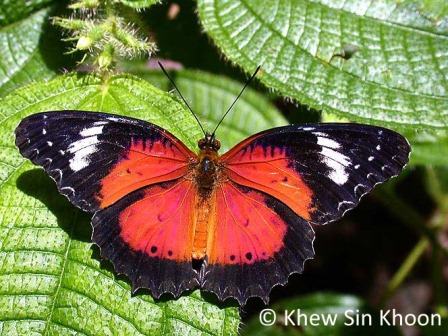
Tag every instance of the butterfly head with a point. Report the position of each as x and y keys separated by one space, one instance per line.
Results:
x=209 y=142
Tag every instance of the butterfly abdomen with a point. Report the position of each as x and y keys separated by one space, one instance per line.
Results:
x=203 y=230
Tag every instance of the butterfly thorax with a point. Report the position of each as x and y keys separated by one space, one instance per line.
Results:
x=207 y=169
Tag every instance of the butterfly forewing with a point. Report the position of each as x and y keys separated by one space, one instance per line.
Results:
x=319 y=171
x=97 y=158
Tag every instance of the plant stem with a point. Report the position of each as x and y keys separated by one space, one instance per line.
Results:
x=405 y=269
x=429 y=232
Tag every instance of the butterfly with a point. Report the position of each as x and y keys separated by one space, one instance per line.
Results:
x=235 y=224
x=246 y=214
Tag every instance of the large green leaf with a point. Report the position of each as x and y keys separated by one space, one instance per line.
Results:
x=13 y=11
x=31 y=47
x=428 y=147
x=52 y=281
x=397 y=76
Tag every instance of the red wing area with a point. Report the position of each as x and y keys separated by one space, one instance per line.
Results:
x=148 y=235
x=319 y=171
x=257 y=243
x=271 y=171
x=143 y=163
x=97 y=158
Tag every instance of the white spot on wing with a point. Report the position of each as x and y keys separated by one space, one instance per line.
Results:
x=57 y=170
x=84 y=147
x=68 y=190
x=378 y=147
x=81 y=158
x=111 y=118
x=342 y=203
x=309 y=128
x=95 y=130
x=50 y=143
x=44 y=131
x=337 y=162
x=370 y=158
x=326 y=142
x=358 y=186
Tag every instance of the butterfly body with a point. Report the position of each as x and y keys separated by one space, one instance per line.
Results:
x=158 y=207
x=208 y=169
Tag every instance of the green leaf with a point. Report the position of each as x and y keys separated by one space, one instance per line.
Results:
x=139 y=3
x=17 y=10
x=52 y=281
x=31 y=47
x=397 y=76
x=211 y=95
x=321 y=314
x=429 y=147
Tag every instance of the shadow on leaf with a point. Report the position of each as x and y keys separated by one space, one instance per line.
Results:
x=76 y=223
x=51 y=43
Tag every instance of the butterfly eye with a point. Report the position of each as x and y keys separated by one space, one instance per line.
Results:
x=202 y=143
x=216 y=145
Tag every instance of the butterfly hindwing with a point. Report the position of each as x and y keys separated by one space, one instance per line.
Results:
x=320 y=171
x=148 y=236
x=98 y=158
x=257 y=243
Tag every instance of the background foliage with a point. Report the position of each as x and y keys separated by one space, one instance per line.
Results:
x=378 y=62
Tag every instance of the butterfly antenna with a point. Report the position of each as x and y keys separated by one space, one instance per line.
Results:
x=180 y=94
x=241 y=92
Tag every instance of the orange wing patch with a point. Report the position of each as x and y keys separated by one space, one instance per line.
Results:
x=144 y=163
x=160 y=222
x=246 y=230
x=269 y=169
